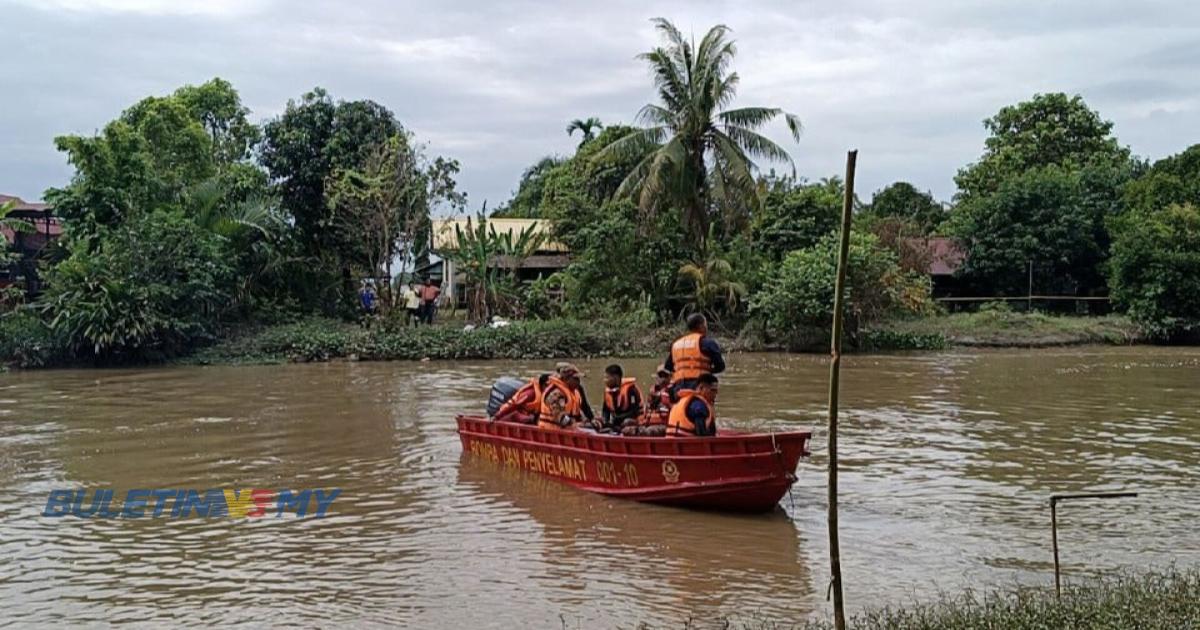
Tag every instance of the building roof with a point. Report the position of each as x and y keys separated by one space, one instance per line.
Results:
x=24 y=205
x=445 y=238
x=48 y=226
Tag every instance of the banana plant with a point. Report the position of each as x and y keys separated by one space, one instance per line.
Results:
x=489 y=261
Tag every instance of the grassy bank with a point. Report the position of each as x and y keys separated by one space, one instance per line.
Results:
x=1002 y=329
x=25 y=343
x=324 y=340
x=1155 y=600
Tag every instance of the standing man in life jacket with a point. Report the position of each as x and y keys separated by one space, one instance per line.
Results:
x=695 y=415
x=622 y=400
x=693 y=355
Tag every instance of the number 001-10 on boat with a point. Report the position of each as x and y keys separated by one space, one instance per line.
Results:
x=744 y=472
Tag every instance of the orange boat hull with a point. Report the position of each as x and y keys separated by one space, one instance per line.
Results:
x=743 y=472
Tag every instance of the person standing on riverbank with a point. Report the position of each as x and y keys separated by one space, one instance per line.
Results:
x=410 y=299
x=693 y=355
x=429 y=297
x=369 y=302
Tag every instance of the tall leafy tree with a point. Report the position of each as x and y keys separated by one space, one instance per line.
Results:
x=382 y=209
x=1047 y=130
x=1050 y=177
x=302 y=148
x=902 y=200
x=698 y=156
x=1155 y=269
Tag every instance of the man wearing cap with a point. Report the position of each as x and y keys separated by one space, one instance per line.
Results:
x=567 y=378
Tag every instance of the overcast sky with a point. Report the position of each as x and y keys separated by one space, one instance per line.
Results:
x=493 y=84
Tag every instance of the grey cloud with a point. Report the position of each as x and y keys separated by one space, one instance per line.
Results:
x=493 y=84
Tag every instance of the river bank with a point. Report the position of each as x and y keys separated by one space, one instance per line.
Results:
x=325 y=340
x=328 y=340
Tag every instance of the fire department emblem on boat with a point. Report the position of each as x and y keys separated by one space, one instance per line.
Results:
x=670 y=471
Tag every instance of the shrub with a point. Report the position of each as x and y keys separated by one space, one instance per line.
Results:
x=26 y=341
x=1154 y=272
x=800 y=294
x=152 y=288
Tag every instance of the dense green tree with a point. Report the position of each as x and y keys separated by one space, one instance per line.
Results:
x=155 y=155
x=1049 y=129
x=307 y=143
x=1044 y=217
x=1050 y=177
x=586 y=128
x=1155 y=269
x=1171 y=180
x=301 y=150
x=697 y=157
x=902 y=200
x=796 y=215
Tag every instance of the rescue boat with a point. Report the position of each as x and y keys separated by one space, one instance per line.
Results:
x=732 y=471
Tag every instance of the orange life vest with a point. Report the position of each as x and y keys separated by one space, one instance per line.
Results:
x=678 y=423
x=689 y=361
x=573 y=407
x=658 y=407
x=531 y=406
x=620 y=402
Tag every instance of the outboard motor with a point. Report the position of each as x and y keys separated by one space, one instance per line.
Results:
x=502 y=390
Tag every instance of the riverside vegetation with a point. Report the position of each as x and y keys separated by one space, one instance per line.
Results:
x=187 y=224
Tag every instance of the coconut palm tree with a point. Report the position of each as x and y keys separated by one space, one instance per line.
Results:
x=699 y=157
x=587 y=127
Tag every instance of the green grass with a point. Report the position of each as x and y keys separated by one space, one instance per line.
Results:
x=1008 y=329
x=324 y=340
x=1169 y=599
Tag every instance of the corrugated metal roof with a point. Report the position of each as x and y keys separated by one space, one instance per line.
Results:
x=445 y=238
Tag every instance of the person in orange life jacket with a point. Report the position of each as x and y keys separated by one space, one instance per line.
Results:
x=571 y=375
x=694 y=415
x=575 y=412
x=622 y=400
x=525 y=403
x=653 y=422
x=692 y=355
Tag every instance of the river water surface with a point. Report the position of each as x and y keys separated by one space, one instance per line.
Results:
x=948 y=463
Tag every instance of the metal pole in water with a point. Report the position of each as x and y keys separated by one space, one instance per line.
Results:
x=1054 y=501
x=835 y=364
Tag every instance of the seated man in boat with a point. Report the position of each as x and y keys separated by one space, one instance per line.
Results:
x=693 y=415
x=572 y=376
x=525 y=403
x=653 y=422
x=622 y=400
x=693 y=355
x=562 y=404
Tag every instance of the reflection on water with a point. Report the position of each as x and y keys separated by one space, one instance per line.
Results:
x=949 y=460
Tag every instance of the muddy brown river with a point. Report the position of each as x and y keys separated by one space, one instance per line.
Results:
x=948 y=463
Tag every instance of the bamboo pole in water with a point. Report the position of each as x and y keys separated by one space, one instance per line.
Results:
x=835 y=364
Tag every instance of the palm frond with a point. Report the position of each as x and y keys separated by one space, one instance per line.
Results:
x=759 y=146
x=749 y=117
